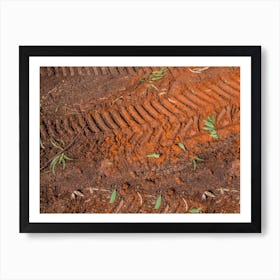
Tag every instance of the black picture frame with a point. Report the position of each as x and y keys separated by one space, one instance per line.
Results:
x=25 y=52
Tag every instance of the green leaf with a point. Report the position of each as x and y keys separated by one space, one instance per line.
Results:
x=208 y=124
x=56 y=145
x=195 y=210
x=53 y=163
x=153 y=156
x=200 y=159
x=41 y=144
x=158 y=202
x=157 y=73
x=156 y=78
x=113 y=196
x=63 y=163
x=214 y=134
x=68 y=158
x=194 y=164
x=61 y=158
x=182 y=146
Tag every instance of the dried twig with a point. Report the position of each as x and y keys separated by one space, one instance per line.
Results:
x=119 y=206
x=198 y=70
x=141 y=199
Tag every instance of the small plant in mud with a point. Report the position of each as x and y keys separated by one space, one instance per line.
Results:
x=113 y=196
x=210 y=126
x=154 y=76
x=195 y=210
x=195 y=161
x=60 y=158
x=158 y=202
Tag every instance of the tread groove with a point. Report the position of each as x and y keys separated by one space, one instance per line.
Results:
x=193 y=94
x=129 y=119
x=136 y=115
x=167 y=103
x=119 y=119
x=91 y=124
x=186 y=102
x=67 y=127
x=101 y=124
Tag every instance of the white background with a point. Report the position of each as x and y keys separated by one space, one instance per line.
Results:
x=146 y=256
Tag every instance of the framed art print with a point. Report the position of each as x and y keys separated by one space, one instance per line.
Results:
x=140 y=138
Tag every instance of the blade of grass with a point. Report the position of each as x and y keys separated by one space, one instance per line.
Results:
x=195 y=210
x=182 y=146
x=209 y=124
x=156 y=78
x=200 y=159
x=158 y=202
x=113 y=196
x=53 y=163
x=41 y=144
x=63 y=163
x=56 y=145
x=153 y=156
x=194 y=164
x=66 y=157
x=61 y=157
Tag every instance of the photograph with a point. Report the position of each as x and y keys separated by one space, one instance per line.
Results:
x=140 y=139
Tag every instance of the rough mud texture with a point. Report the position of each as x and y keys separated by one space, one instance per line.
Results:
x=108 y=119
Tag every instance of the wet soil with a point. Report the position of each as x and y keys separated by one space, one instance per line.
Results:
x=107 y=120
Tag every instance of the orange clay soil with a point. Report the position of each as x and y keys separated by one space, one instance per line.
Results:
x=108 y=119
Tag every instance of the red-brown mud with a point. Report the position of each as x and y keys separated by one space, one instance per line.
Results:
x=108 y=119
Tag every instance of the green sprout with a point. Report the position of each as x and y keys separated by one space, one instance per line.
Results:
x=154 y=76
x=158 y=202
x=41 y=144
x=195 y=160
x=113 y=196
x=153 y=156
x=210 y=126
x=195 y=210
x=60 y=158
x=182 y=146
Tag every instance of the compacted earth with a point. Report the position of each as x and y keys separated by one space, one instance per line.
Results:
x=140 y=140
